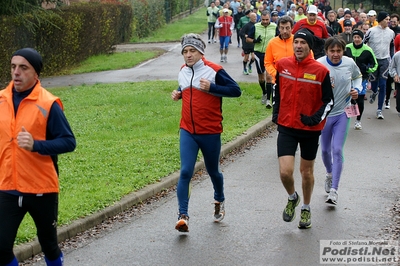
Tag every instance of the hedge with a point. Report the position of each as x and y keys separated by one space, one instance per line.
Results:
x=65 y=36
x=73 y=33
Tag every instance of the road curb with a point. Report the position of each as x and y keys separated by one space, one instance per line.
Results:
x=28 y=250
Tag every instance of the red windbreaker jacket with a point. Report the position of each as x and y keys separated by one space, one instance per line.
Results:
x=302 y=88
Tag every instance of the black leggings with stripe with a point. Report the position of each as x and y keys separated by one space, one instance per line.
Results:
x=43 y=209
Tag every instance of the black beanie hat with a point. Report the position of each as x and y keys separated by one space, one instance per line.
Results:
x=359 y=33
x=32 y=56
x=307 y=35
x=381 y=16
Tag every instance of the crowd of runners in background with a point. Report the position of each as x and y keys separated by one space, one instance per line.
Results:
x=303 y=51
x=372 y=40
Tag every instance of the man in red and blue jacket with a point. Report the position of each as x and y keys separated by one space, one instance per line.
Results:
x=225 y=24
x=202 y=84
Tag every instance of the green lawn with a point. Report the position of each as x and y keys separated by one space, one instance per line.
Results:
x=112 y=61
x=196 y=23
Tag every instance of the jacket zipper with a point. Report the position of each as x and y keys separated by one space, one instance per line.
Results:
x=191 y=101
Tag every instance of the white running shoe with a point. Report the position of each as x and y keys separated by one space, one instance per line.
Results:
x=328 y=182
x=332 y=197
x=357 y=125
x=264 y=99
x=268 y=104
x=379 y=114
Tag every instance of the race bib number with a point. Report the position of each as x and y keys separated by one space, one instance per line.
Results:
x=352 y=110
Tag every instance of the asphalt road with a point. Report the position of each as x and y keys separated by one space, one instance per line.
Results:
x=253 y=232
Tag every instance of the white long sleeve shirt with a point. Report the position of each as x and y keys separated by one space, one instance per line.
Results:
x=344 y=77
x=379 y=40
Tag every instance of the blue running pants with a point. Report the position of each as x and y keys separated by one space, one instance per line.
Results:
x=210 y=146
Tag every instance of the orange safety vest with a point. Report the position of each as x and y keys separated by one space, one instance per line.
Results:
x=22 y=170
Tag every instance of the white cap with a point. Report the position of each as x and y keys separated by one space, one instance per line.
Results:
x=225 y=10
x=312 y=9
x=371 y=13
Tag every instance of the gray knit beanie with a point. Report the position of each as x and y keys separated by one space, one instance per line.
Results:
x=194 y=40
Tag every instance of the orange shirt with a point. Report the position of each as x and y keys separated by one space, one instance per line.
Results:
x=277 y=48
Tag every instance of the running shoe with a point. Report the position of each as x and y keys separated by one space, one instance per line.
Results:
x=245 y=72
x=379 y=114
x=328 y=182
x=305 y=219
x=264 y=99
x=222 y=58
x=357 y=125
x=332 y=197
x=268 y=104
x=387 y=105
x=289 y=213
x=250 y=70
x=219 y=211
x=372 y=97
x=182 y=225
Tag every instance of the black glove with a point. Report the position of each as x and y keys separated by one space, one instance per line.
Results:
x=275 y=118
x=363 y=69
x=309 y=120
x=258 y=40
x=215 y=14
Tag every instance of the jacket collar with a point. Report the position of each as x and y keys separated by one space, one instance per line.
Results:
x=33 y=95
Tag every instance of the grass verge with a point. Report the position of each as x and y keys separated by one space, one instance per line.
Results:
x=196 y=23
x=113 y=61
